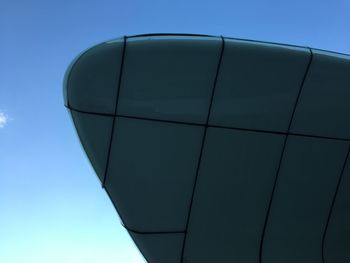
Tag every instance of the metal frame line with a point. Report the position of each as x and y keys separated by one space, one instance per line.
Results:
x=151 y=232
x=171 y=35
x=213 y=36
x=202 y=146
x=332 y=204
x=234 y=38
x=281 y=159
x=115 y=113
x=210 y=125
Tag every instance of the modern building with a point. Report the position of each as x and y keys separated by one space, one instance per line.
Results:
x=215 y=149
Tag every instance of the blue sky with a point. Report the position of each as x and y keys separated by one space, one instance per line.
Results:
x=52 y=207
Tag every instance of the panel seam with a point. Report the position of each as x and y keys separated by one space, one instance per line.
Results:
x=267 y=216
x=152 y=232
x=115 y=113
x=229 y=38
x=202 y=146
x=333 y=203
x=210 y=125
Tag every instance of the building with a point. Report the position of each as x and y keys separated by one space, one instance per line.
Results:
x=215 y=149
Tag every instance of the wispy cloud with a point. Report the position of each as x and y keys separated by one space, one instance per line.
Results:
x=3 y=119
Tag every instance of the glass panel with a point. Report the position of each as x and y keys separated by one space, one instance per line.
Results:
x=324 y=107
x=95 y=133
x=169 y=77
x=305 y=188
x=91 y=83
x=151 y=173
x=258 y=85
x=233 y=191
x=159 y=248
x=337 y=241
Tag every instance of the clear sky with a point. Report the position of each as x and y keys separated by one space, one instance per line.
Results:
x=52 y=207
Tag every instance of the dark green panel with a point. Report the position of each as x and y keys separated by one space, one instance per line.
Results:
x=153 y=164
x=91 y=82
x=159 y=248
x=151 y=173
x=94 y=132
x=233 y=190
x=337 y=240
x=258 y=85
x=169 y=77
x=305 y=188
x=324 y=107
